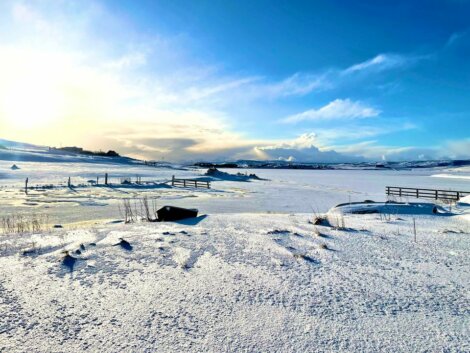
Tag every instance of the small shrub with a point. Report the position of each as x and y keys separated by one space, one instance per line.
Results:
x=320 y=221
x=140 y=209
x=125 y=209
x=336 y=220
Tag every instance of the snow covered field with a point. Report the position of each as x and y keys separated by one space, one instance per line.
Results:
x=251 y=274
x=240 y=282
x=285 y=191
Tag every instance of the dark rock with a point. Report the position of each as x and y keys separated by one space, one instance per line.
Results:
x=171 y=213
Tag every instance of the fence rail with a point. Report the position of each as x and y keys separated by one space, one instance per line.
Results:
x=190 y=183
x=445 y=195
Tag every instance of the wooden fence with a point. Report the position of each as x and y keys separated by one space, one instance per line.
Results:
x=190 y=183
x=445 y=195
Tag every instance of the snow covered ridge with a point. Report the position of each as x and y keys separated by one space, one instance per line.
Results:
x=240 y=282
x=39 y=155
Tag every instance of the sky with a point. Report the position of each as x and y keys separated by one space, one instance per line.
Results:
x=307 y=81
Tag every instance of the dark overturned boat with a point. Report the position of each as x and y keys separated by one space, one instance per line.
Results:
x=172 y=213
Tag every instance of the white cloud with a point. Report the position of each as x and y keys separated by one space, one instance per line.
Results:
x=379 y=63
x=306 y=140
x=454 y=149
x=458 y=149
x=295 y=85
x=304 y=148
x=337 y=109
x=355 y=132
x=199 y=93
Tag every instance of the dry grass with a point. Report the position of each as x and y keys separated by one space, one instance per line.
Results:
x=138 y=210
x=20 y=223
x=337 y=221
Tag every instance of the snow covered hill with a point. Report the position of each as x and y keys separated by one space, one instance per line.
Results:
x=239 y=282
x=25 y=152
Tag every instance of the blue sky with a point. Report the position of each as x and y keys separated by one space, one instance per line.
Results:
x=189 y=80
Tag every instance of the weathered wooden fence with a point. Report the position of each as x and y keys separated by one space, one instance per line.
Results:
x=444 y=195
x=190 y=183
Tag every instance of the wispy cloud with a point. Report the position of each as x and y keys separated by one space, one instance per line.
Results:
x=216 y=87
x=456 y=37
x=130 y=60
x=199 y=93
x=335 y=110
x=296 y=85
x=340 y=135
x=379 y=63
x=373 y=149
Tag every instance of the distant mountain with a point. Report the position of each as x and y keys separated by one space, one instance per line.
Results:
x=280 y=164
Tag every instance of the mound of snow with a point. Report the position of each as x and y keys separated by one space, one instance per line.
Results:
x=412 y=208
x=215 y=173
x=465 y=199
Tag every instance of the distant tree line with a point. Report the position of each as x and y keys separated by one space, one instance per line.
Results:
x=79 y=150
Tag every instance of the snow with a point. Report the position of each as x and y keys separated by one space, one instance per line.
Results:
x=465 y=200
x=283 y=191
x=452 y=176
x=252 y=274
x=413 y=208
x=240 y=282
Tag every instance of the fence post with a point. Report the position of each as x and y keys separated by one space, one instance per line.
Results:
x=458 y=195
x=417 y=193
x=399 y=192
x=184 y=182
x=196 y=184
x=105 y=178
x=173 y=180
x=26 y=186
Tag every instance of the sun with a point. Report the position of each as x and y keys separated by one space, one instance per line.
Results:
x=30 y=103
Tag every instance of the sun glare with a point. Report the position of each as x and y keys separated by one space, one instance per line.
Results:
x=30 y=103
x=30 y=90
